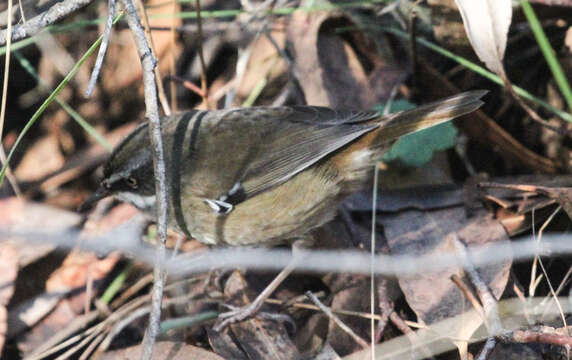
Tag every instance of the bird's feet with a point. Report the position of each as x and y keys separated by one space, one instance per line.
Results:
x=238 y=314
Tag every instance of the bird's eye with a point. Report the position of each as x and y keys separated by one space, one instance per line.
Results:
x=131 y=182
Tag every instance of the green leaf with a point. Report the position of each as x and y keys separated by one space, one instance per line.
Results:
x=417 y=149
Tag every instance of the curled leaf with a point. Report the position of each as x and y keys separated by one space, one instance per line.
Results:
x=486 y=23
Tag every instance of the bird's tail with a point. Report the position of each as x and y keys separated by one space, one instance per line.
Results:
x=405 y=122
x=373 y=145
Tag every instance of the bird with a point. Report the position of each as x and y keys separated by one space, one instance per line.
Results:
x=262 y=176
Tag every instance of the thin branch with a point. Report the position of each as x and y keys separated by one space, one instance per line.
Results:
x=326 y=310
x=201 y=56
x=468 y=294
x=3 y=159
x=490 y=304
x=544 y=336
x=36 y=24
x=149 y=63
x=102 y=47
x=158 y=77
x=487 y=348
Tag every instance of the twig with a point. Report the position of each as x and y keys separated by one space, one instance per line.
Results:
x=413 y=45
x=149 y=62
x=172 y=69
x=21 y=12
x=541 y=263
x=89 y=349
x=201 y=56
x=102 y=47
x=326 y=310
x=412 y=335
x=3 y=159
x=487 y=349
x=533 y=114
x=545 y=336
x=468 y=294
x=490 y=305
x=372 y=258
x=36 y=24
x=189 y=85
x=385 y=306
x=158 y=77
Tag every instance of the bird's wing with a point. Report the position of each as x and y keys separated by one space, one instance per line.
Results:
x=293 y=139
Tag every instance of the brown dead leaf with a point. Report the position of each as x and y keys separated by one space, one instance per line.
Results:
x=260 y=339
x=22 y=216
x=59 y=315
x=163 y=350
x=40 y=159
x=119 y=71
x=223 y=345
x=264 y=63
x=78 y=269
x=351 y=297
x=330 y=66
x=433 y=296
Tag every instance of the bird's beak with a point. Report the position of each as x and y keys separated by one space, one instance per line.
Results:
x=99 y=194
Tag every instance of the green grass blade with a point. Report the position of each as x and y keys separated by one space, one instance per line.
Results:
x=48 y=101
x=548 y=52
x=72 y=113
x=483 y=72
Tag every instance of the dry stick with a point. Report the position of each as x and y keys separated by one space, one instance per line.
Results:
x=530 y=336
x=490 y=304
x=385 y=306
x=149 y=62
x=533 y=115
x=158 y=78
x=80 y=345
x=89 y=349
x=36 y=24
x=326 y=310
x=3 y=159
x=487 y=349
x=372 y=258
x=22 y=11
x=413 y=45
x=188 y=85
x=563 y=283
x=412 y=335
x=541 y=263
x=122 y=309
x=201 y=56
x=468 y=294
x=172 y=69
x=491 y=341
x=57 y=343
x=102 y=47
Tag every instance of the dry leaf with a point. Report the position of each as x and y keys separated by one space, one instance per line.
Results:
x=433 y=296
x=329 y=65
x=260 y=339
x=163 y=350
x=486 y=23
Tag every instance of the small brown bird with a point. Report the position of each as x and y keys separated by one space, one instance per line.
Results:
x=262 y=176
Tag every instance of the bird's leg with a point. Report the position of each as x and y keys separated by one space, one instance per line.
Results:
x=242 y=313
